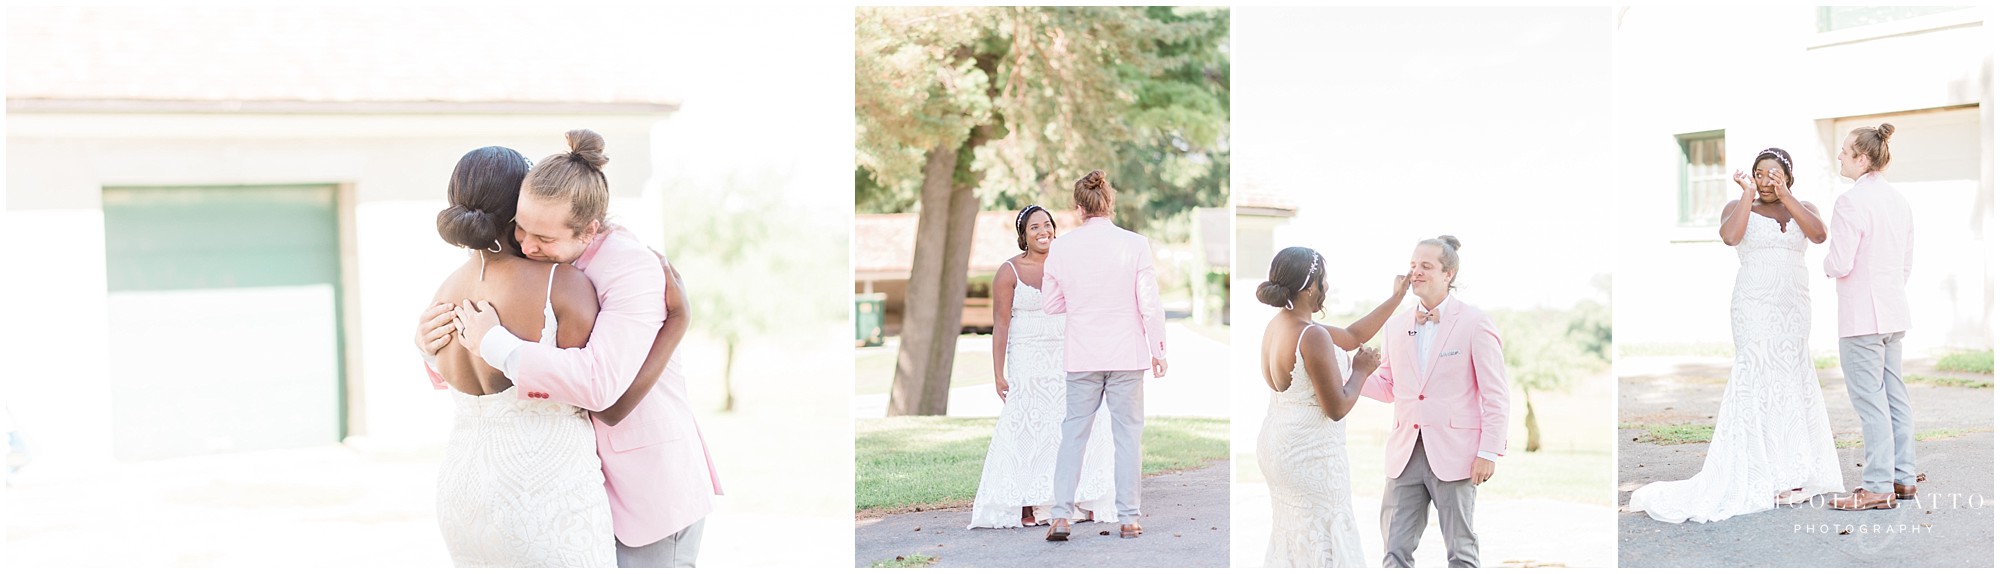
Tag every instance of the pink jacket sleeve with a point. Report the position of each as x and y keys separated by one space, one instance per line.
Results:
x=632 y=296
x=1844 y=240
x=1053 y=301
x=1381 y=384
x=1489 y=375
x=1152 y=314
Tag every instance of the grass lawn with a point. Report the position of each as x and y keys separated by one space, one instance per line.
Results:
x=1949 y=381
x=911 y=561
x=926 y=462
x=1676 y=434
x=1967 y=362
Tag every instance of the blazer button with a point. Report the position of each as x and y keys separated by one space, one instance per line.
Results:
x=1420 y=397
x=1413 y=426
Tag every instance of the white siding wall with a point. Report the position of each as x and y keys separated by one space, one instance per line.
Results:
x=393 y=169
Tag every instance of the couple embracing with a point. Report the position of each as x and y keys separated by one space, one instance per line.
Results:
x=573 y=443
x=1443 y=371
x=1077 y=322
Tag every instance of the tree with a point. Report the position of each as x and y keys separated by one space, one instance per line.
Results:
x=1548 y=349
x=744 y=253
x=956 y=104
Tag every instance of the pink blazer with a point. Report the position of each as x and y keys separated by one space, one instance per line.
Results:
x=1869 y=248
x=656 y=465
x=1459 y=406
x=1101 y=277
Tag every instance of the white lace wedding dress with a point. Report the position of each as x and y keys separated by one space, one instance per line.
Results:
x=1303 y=456
x=1771 y=433
x=521 y=484
x=1021 y=460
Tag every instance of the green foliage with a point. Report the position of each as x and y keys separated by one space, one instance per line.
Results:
x=906 y=462
x=1678 y=434
x=918 y=560
x=1980 y=361
x=1053 y=92
x=748 y=257
x=1548 y=349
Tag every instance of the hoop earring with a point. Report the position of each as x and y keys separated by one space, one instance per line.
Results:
x=496 y=246
x=1288 y=305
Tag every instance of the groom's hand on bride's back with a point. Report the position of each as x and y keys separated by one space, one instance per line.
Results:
x=475 y=319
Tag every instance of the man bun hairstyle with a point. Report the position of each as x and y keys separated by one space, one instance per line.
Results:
x=575 y=178
x=1448 y=256
x=1093 y=194
x=1872 y=142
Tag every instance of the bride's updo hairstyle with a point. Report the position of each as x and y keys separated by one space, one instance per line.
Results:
x=1292 y=270
x=1448 y=246
x=576 y=178
x=1093 y=194
x=1784 y=160
x=1872 y=142
x=485 y=185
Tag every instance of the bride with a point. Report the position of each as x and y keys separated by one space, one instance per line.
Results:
x=1302 y=448
x=1019 y=478
x=520 y=484
x=1772 y=443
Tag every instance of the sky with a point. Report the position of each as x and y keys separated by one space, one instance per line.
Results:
x=1386 y=126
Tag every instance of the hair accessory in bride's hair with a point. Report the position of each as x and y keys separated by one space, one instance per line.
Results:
x=1023 y=215
x=1309 y=271
x=1776 y=154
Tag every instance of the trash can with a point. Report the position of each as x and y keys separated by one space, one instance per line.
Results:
x=869 y=310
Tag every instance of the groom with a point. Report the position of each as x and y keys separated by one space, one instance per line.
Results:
x=1442 y=367
x=1868 y=258
x=1101 y=277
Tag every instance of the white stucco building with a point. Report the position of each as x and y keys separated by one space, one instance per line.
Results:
x=1701 y=90
x=227 y=217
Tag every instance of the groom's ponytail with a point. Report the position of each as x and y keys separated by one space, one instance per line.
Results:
x=1447 y=256
x=1872 y=142
x=1093 y=194
x=576 y=178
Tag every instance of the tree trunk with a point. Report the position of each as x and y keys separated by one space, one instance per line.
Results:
x=936 y=298
x=728 y=374
x=1534 y=429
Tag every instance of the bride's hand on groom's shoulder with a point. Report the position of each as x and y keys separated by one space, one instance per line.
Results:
x=1366 y=359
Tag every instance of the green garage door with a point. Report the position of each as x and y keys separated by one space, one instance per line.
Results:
x=224 y=318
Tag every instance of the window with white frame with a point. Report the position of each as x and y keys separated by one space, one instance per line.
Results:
x=1704 y=178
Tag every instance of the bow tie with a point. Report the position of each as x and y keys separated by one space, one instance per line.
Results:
x=1426 y=316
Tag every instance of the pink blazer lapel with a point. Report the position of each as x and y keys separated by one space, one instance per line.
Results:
x=1446 y=324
